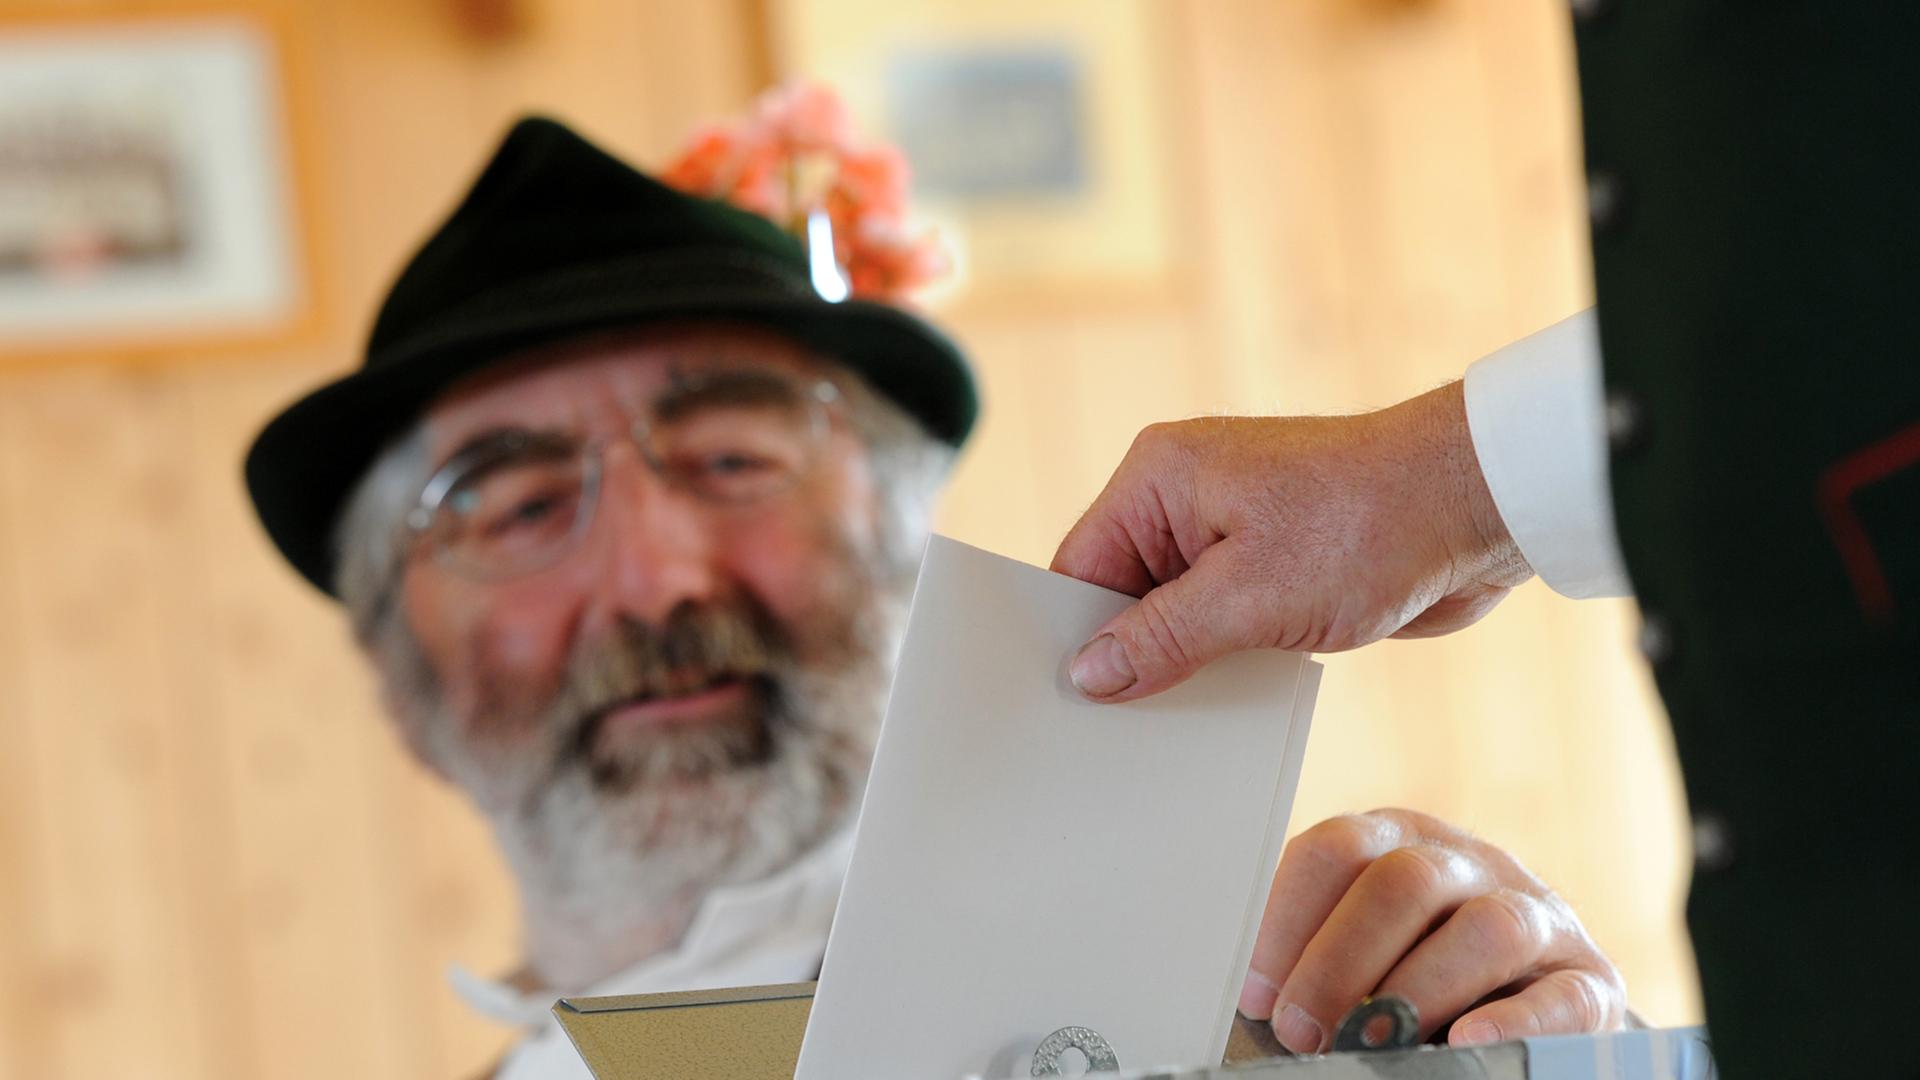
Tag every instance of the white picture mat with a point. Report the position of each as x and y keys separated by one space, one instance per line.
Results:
x=211 y=84
x=1026 y=860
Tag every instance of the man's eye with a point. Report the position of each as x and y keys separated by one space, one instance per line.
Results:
x=734 y=464
x=526 y=514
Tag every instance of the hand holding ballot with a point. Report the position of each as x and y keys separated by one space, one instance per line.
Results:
x=1028 y=861
x=1397 y=902
x=1315 y=534
x=1327 y=533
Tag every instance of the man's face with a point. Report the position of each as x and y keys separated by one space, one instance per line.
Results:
x=706 y=647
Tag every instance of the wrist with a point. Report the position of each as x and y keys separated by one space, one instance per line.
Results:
x=1458 y=499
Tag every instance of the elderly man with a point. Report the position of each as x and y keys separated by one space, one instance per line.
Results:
x=626 y=517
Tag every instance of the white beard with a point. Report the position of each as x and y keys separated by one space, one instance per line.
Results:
x=620 y=875
x=611 y=872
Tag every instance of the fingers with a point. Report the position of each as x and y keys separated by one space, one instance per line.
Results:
x=1348 y=529
x=1569 y=1001
x=1389 y=908
x=1174 y=630
x=1396 y=902
x=1100 y=550
x=1125 y=540
x=1316 y=870
x=1191 y=610
x=1489 y=943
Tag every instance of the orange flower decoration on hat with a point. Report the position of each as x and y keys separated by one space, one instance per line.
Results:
x=795 y=154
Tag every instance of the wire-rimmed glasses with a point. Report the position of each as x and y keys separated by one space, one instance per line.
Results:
x=515 y=501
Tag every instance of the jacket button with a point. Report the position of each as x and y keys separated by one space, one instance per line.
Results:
x=1586 y=11
x=1626 y=421
x=1606 y=201
x=1655 y=640
x=1712 y=843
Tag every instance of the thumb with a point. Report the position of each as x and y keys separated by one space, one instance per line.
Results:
x=1169 y=634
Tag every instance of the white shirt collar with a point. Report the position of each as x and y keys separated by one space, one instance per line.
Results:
x=773 y=930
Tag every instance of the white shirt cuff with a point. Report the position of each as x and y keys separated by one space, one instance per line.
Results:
x=1536 y=413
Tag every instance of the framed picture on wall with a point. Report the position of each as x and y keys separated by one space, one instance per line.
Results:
x=1039 y=133
x=144 y=186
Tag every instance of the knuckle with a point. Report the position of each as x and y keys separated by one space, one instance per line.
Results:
x=1171 y=443
x=1413 y=870
x=1156 y=437
x=1534 y=1016
x=1413 y=822
x=1342 y=842
x=1616 y=985
x=1603 y=997
x=1505 y=922
x=1583 y=1005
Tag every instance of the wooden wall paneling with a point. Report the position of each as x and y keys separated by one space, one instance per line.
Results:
x=1374 y=743
x=1630 y=846
x=1062 y=400
x=395 y=142
x=1118 y=373
x=1298 y=141
x=1514 y=701
x=1533 y=143
x=640 y=75
x=1266 y=225
x=1432 y=275
x=25 y=1046
x=994 y=492
x=360 y=877
x=332 y=969
x=459 y=907
x=1009 y=493
x=113 y=984
x=1358 y=225
x=164 y=513
x=413 y=110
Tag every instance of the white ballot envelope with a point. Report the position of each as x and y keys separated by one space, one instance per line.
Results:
x=1027 y=861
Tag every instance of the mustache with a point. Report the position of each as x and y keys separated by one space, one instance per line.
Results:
x=696 y=645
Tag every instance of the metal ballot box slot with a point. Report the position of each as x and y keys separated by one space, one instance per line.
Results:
x=745 y=1033
x=754 y=1033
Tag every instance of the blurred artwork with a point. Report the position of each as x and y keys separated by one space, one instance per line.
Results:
x=141 y=183
x=990 y=121
x=1039 y=134
x=83 y=191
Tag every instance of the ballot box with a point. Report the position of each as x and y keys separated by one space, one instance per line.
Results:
x=754 y=1033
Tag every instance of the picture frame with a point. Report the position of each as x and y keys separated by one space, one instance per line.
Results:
x=149 y=201
x=1041 y=135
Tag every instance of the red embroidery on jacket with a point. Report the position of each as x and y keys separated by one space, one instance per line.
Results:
x=1868 y=465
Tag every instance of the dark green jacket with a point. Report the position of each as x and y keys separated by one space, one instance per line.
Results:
x=1756 y=196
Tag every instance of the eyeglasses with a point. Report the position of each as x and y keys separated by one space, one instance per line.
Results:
x=515 y=502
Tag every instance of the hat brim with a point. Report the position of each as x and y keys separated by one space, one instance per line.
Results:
x=306 y=462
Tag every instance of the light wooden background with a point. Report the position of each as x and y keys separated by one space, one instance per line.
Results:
x=214 y=861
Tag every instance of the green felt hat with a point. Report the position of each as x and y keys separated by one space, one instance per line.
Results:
x=559 y=238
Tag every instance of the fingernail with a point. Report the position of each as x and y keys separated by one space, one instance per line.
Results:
x=1297 y=1031
x=1476 y=1033
x=1100 y=668
x=1257 y=997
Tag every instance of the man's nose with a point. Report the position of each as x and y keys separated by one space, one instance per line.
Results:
x=654 y=550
